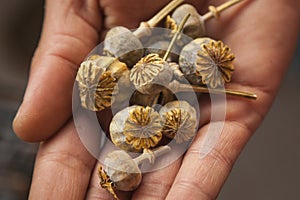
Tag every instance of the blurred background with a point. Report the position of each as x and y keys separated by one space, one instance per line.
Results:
x=268 y=168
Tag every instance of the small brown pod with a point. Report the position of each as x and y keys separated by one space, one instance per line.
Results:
x=151 y=74
x=97 y=78
x=195 y=26
x=136 y=128
x=143 y=128
x=179 y=121
x=206 y=61
x=116 y=130
x=123 y=44
x=121 y=172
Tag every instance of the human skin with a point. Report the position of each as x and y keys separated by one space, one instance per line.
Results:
x=262 y=35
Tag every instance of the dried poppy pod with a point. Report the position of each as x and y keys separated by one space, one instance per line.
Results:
x=207 y=60
x=151 y=74
x=142 y=128
x=116 y=130
x=208 y=56
x=121 y=172
x=180 y=121
x=122 y=43
x=195 y=26
x=97 y=78
x=136 y=128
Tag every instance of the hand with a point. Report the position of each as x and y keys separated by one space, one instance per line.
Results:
x=261 y=39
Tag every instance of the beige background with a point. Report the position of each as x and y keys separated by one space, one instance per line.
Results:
x=268 y=168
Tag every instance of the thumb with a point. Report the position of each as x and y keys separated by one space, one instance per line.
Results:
x=69 y=33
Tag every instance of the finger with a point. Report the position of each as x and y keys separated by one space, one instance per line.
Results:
x=156 y=185
x=63 y=167
x=202 y=179
x=70 y=31
x=132 y=11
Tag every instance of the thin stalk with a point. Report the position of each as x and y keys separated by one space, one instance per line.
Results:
x=144 y=28
x=164 y=12
x=182 y=23
x=248 y=95
x=175 y=86
x=215 y=11
x=229 y=92
x=151 y=155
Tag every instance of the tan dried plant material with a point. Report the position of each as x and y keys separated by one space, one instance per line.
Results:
x=150 y=74
x=97 y=79
x=143 y=128
x=172 y=123
x=95 y=86
x=121 y=172
x=179 y=121
x=214 y=64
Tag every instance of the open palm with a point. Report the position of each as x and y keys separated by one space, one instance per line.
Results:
x=262 y=35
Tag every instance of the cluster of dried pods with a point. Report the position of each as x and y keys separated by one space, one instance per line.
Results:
x=155 y=77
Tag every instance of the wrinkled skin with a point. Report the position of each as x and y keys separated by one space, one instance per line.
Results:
x=262 y=34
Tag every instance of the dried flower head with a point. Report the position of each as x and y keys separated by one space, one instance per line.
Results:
x=172 y=123
x=215 y=63
x=150 y=74
x=143 y=128
x=95 y=86
x=194 y=27
x=122 y=170
x=97 y=79
x=116 y=129
x=121 y=43
x=180 y=121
